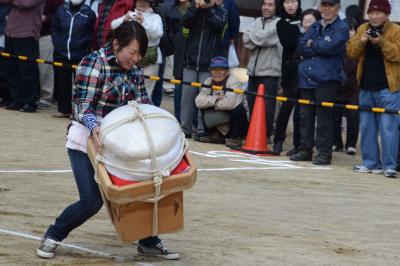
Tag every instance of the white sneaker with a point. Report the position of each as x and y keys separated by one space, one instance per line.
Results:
x=47 y=248
x=391 y=173
x=351 y=151
x=363 y=169
x=159 y=251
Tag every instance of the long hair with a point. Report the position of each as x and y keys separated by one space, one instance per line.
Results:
x=284 y=14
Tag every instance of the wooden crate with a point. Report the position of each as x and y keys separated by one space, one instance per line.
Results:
x=131 y=216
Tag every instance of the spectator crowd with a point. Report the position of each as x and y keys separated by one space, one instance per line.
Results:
x=318 y=54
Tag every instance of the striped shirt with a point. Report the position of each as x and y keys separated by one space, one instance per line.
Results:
x=101 y=86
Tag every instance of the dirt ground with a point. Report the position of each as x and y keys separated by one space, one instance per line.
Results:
x=243 y=210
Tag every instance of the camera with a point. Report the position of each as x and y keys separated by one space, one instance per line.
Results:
x=374 y=33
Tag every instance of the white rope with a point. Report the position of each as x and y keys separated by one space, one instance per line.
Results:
x=156 y=174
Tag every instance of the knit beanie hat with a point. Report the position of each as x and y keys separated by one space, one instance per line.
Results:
x=379 y=5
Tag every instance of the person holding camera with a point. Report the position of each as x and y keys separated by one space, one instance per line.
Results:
x=376 y=46
x=203 y=24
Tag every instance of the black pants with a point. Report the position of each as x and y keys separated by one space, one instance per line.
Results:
x=324 y=136
x=4 y=93
x=238 y=123
x=22 y=76
x=353 y=126
x=271 y=88
x=284 y=114
x=63 y=77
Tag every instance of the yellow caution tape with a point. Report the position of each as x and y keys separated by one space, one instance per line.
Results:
x=40 y=61
x=58 y=64
x=378 y=110
x=154 y=78
x=196 y=84
x=217 y=88
x=351 y=107
x=5 y=54
x=239 y=91
x=22 y=57
x=281 y=98
x=302 y=101
x=327 y=104
x=176 y=81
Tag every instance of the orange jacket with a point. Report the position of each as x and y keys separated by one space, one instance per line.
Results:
x=390 y=47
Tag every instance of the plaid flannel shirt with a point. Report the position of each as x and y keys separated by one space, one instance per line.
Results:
x=101 y=86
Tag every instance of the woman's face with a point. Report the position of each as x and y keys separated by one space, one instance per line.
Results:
x=128 y=56
x=291 y=6
x=308 y=20
x=142 y=5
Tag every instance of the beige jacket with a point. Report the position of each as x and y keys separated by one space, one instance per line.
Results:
x=207 y=99
x=266 y=50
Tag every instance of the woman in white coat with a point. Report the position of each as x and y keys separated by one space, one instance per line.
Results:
x=152 y=23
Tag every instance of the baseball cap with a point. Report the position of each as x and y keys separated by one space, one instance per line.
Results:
x=333 y=2
x=219 y=61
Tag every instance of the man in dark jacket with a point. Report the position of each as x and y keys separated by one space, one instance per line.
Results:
x=71 y=33
x=22 y=35
x=205 y=23
x=320 y=73
x=233 y=20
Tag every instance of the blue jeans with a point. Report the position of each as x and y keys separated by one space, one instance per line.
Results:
x=374 y=123
x=89 y=202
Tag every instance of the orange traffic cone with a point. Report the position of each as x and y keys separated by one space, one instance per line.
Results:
x=256 y=140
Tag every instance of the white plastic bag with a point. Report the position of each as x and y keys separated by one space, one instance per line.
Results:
x=233 y=59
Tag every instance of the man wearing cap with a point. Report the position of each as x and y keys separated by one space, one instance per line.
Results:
x=376 y=46
x=224 y=106
x=320 y=73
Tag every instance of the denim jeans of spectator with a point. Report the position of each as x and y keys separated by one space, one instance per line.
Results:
x=89 y=203
x=189 y=111
x=373 y=124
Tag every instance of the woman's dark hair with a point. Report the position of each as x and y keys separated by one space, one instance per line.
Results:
x=314 y=12
x=351 y=22
x=177 y=2
x=283 y=13
x=128 y=31
x=354 y=11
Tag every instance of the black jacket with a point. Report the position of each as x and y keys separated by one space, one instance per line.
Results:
x=205 y=36
x=289 y=32
x=173 y=27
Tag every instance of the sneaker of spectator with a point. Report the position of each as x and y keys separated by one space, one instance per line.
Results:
x=169 y=91
x=351 y=151
x=43 y=104
x=391 y=173
x=233 y=142
x=363 y=169
x=336 y=148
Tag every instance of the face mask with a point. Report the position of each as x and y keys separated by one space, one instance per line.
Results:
x=76 y=2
